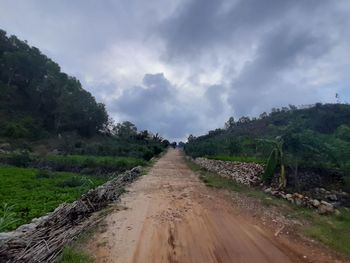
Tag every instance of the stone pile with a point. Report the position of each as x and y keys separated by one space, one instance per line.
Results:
x=326 y=202
x=244 y=173
x=327 y=206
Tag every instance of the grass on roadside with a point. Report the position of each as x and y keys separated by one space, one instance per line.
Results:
x=72 y=255
x=74 y=252
x=332 y=230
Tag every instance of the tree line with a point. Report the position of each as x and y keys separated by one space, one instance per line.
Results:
x=310 y=138
x=36 y=98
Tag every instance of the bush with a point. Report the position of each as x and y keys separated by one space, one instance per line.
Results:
x=147 y=155
x=14 y=130
x=43 y=173
x=21 y=159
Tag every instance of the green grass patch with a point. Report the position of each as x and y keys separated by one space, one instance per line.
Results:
x=88 y=161
x=76 y=252
x=244 y=159
x=73 y=255
x=32 y=193
x=331 y=230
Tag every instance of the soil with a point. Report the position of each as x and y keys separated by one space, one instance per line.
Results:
x=169 y=215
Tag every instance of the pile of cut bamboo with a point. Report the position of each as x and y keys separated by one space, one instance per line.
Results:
x=44 y=238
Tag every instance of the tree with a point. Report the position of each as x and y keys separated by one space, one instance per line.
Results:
x=125 y=129
x=243 y=120
x=191 y=138
x=263 y=115
x=230 y=123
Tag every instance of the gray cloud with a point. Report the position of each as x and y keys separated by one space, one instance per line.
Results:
x=280 y=38
x=155 y=106
x=218 y=58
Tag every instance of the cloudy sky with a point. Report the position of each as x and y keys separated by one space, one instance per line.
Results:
x=184 y=66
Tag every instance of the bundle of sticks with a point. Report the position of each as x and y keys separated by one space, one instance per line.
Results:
x=44 y=239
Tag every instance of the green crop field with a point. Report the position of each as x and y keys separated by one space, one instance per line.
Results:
x=111 y=162
x=27 y=193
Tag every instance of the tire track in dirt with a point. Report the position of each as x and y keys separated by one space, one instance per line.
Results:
x=172 y=217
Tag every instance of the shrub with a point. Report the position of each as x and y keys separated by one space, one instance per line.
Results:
x=14 y=130
x=21 y=159
x=147 y=155
x=43 y=173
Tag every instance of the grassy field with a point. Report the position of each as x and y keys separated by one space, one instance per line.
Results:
x=109 y=162
x=26 y=193
x=331 y=230
x=244 y=159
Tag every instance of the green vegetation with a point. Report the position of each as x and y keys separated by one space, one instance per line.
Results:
x=104 y=162
x=313 y=138
x=332 y=230
x=7 y=217
x=75 y=252
x=32 y=193
x=37 y=99
x=72 y=255
x=43 y=109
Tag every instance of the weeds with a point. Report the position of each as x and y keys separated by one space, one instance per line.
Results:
x=72 y=255
x=7 y=217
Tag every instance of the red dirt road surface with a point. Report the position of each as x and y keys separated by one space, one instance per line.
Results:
x=171 y=216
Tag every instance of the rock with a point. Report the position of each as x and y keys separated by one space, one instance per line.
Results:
x=244 y=173
x=322 y=190
x=325 y=203
x=344 y=194
x=274 y=193
x=268 y=190
x=315 y=203
x=137 y=169
x=332 y=197
x=289 y=196
x=325 y=208
x=5 y=146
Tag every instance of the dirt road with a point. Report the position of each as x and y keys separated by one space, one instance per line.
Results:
x=170 y=216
